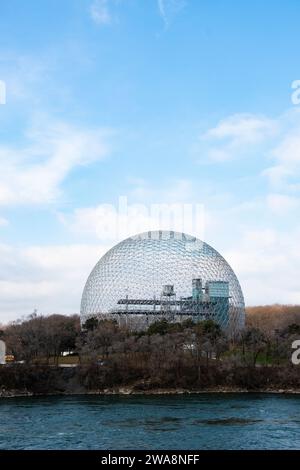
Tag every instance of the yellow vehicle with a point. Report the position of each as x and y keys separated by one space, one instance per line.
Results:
x=9 y=358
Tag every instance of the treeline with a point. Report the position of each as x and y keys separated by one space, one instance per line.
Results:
x=165 y=355
x=41 y=337
x=272 y=317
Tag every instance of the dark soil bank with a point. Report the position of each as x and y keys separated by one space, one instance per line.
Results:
x=25 y=380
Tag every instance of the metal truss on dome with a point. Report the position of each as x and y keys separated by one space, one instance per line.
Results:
x=164 y=274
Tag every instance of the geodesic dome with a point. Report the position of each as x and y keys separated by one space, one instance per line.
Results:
x=164 y=274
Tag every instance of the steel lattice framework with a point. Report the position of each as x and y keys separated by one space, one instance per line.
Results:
x=164 y=274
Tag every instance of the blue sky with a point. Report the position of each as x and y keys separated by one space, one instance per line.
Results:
x=160 y=101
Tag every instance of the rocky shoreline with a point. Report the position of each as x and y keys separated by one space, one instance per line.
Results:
x=131 y=391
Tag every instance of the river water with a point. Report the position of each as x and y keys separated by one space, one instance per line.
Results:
x=204 y=421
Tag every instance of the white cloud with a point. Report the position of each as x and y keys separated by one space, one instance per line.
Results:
x=268 y=265
x=49 y=278
x=33 y=173
x=282 y=204
x=168 y=9
x=100 y=12
x=103 y=12
x=276 y=141
x=287 y=161
x=234 y=134
x=3 y=222
x=23 y=75
x=242 y=128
